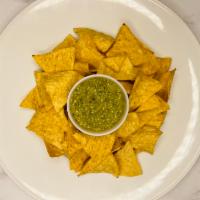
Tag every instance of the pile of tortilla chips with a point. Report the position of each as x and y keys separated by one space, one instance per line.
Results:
x=146 y=78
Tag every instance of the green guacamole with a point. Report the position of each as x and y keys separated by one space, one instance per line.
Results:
x=97 y=104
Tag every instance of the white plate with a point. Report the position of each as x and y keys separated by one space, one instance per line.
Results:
x=41 y=26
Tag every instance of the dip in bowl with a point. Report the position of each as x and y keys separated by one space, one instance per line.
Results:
x=97 y=105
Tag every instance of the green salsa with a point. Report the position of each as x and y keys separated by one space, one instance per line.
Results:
x=97 y=104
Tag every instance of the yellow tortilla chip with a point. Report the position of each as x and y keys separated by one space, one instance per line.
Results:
x=43 y=95
x=106 y=165
x=64 y=119
x=49 y=126
x=127 y=71
x=166 y=81
x=78 y=160
x=146 y=116
x=129 y=126
x=82 y=68
x=145 y=139
x=151 y=66
x=58 y=86
x=143 y=88
x=127 y=86
x=165 y=64
x=114 y=63
x=90 y=144
x=127 y=44
x=53 y=151
x=60 y=60
x=69 y=41
x=127 y=161
x=32 y=100
x=86 y=52
x=102 y=41
x=157 y=120
x=71 y=145
x=119 y=143
x=154 y=102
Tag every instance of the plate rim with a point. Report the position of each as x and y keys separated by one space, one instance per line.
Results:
x=190 y=165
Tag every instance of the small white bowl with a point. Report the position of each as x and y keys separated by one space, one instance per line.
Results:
x=106 y=132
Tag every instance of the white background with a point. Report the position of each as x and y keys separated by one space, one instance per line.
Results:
x=189 y=188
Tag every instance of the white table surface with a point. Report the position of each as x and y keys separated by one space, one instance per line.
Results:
x=189 y=187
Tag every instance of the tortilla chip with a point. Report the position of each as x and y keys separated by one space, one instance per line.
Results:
x=143 y=88
x=49 y=126
x=107 y=165
x=119 y=143
x=78 y=160
x=102 y=41
x=32 y=100
x=145 y=139
x=157 y=120
x=86 y=52
x=127 y=44
x=71 y=145
x=165 y=64
x=146 y=116
x=60 y=60
x=90 y=144
x=151 y=66
x=166 y=82
x=114 y=63
x=127 y=86
x=58 y=86
x=43 y=95
x=127 y=161
x=64 y=119
x=82 y=68
x=129 y=126
x=53 y=151
x=127 y=71
x=154 y=102
x=69 y=41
